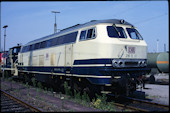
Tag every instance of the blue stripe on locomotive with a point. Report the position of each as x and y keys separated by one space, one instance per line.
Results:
x=97 y=71
x=93 y=61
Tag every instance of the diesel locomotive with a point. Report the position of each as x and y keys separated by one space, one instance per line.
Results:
x=100 y=56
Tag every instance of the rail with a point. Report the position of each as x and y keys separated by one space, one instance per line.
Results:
x=141 y=105
x=14 y=100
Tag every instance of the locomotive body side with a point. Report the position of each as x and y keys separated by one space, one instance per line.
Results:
x=94 y=60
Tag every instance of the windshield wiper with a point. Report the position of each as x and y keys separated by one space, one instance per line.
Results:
x=116 y=29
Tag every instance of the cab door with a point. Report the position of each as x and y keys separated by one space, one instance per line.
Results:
x=68 y=55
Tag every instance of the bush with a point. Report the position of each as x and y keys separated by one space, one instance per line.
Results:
x=97 y=104
x=67 y=89
x=101 y=103
x=39 y=85
x=85 y=97
x=33 y=82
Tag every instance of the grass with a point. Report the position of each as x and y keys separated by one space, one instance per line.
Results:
x=99 y=102
x=67 y=90
x=34 y=82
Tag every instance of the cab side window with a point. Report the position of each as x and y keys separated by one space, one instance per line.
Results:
x=83 y=35
x=87 y=34
x=90 y=33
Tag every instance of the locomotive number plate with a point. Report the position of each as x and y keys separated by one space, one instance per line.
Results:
x=131 y=50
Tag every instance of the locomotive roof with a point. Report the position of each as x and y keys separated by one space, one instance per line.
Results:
x=78 y=26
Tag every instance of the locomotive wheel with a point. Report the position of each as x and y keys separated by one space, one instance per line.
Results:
x=55 y=84
x=62 y=87
x=75 y=86
x=91 y=90
x=87 y=91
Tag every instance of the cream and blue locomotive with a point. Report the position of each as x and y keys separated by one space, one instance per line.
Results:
x=100 y=56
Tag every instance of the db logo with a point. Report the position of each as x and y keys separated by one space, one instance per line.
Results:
x=131 y=50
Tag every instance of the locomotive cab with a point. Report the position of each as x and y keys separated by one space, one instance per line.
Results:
x=128 y=57
x=118 y=54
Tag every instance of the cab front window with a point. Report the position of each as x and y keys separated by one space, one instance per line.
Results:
x=134 y=34
x=116 y=32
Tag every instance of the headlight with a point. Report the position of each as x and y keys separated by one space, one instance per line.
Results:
x=117 y=63
x=120 y=63
x=114 y=63
x=142 y=63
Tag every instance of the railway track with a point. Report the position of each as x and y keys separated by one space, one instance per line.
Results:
x=124 y=103
x=10 y=103
x=141 y=105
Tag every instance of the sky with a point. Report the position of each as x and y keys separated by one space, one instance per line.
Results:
x=28 y=21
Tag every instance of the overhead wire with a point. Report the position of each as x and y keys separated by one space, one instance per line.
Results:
x=139 y=5
x=148 y=19
x=142 y=21
x=127 y=10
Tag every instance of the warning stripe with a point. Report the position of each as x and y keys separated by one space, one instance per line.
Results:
x=162 y=62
